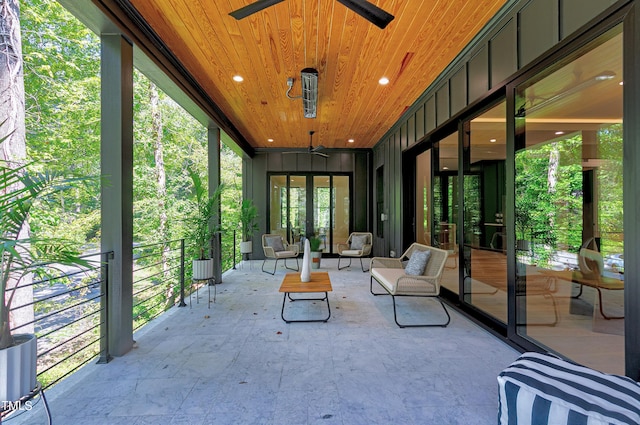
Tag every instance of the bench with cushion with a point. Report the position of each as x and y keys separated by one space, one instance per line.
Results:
x=417 y=273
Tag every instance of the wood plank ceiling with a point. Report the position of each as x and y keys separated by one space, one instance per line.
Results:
x=349 y=52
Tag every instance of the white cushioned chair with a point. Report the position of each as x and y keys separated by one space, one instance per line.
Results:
x=358 y=245
x=276 y=248
x=411 y=277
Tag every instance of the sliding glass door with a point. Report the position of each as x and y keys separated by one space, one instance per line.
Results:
x=311 y=205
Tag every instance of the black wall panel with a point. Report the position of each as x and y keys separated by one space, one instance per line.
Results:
x=478 y=74
x=420 y=123
x=503 y=53
x=576 y=13
x=442 y=104
x=458 y=90
x=431 y=113
x=539 y=29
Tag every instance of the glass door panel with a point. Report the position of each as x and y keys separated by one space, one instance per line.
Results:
x=569 y=206
x=297 y=208
x=341 y=211
x=445 y=188
x=485 y=259
x=423 y=199
x=278 y=205
x=322 y=210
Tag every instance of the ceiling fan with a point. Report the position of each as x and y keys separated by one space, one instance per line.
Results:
x=311 y=150
x=369 y=11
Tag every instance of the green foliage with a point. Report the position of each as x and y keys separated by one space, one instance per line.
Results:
x=314 y=243
x=201 y=216
x=21 y=254
x=248 y=219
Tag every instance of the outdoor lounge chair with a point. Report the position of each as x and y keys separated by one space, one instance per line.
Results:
x=276 y=248
x=358 y=245
x=418 y=278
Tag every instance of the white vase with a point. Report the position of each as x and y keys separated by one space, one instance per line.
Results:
x=202 y=269
x=18 y=365
x=305 y=276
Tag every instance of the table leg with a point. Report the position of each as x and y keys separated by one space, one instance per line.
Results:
x=288 y=295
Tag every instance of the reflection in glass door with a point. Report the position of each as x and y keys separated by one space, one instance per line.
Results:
x=445 y=207
x=485 y=259
x=569 y=206
x=311 y=205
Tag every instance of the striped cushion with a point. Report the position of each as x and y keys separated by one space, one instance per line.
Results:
x=541 y=389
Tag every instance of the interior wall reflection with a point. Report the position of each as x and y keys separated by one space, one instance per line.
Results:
x=485 y=259
x=445 y=206
x=569 y=207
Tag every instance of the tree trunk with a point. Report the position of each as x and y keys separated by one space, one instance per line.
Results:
x=552 y=178
x=12 y=115
x=156 y=123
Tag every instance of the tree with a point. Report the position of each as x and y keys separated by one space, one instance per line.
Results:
x=12 y=111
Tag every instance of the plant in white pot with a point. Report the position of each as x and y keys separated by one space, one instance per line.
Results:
x=316 y=252
x=201 y=226
x=249 y=225
x=20 y=255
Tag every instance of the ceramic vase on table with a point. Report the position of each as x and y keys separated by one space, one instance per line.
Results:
x=305 y=275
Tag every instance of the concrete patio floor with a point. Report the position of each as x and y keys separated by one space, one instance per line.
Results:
x=239 y=363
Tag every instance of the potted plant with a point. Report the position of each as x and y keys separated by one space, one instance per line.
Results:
x=20 y=255
x=249 y=225
x=316 y=252
x=201 y=227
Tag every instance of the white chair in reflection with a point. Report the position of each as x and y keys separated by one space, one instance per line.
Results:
x=276 y=248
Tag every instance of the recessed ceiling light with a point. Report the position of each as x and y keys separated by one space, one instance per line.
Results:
x=621 y=83
x=559 y=133
x=350 y=140
x=445 y=168
x=270 y=140
x=492 y=140
x=383 y=81
x=238 y=78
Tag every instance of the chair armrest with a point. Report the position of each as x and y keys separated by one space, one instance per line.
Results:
x=366 y=250
x=292 y=247
x=342 y=246
x=386 y=262
x=269 y=252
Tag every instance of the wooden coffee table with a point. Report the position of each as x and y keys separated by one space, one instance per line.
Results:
x=291 y=284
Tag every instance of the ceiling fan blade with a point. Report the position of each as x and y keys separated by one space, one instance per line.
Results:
x=369 y=11
x=318 y=148
x=253 y=8
x=324 y=155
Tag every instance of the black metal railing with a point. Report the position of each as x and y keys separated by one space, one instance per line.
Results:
x=69 y=306
x=69 y=316
x=158 y=279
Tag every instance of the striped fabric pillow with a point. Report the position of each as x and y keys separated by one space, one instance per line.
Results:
x=541 y=389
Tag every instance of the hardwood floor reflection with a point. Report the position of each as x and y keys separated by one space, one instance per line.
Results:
x=556 y=319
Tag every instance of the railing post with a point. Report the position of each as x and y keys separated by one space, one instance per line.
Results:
x=182 y=303
x=105 y=356
x=234 y=249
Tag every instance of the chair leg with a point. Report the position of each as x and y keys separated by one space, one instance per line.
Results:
x=362 y=266
x=297 y=265
x=395 y=317
x=371 y=288
x=274 y=267
x=340 y=268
